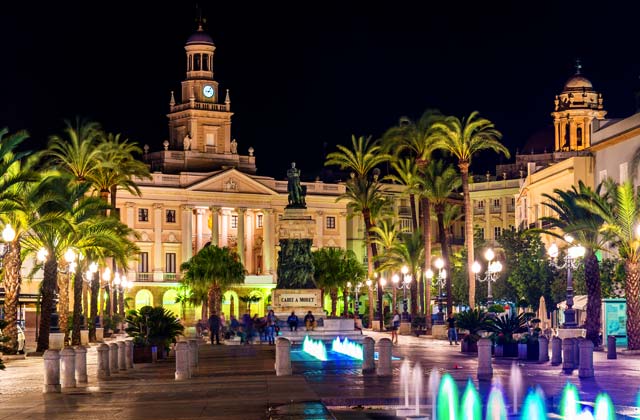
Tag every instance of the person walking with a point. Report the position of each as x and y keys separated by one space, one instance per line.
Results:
x=309 y=321
x=271 y=326
x=395 y=325
x=293 y=321
x=453 y=334
x=214 y=327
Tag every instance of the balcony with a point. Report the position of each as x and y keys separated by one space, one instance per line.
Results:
x=143 y=277
x=478 y=210
x=170 y=277
x=496 y=209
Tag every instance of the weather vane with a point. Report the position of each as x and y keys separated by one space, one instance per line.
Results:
x=199 y=19
x=578 y=66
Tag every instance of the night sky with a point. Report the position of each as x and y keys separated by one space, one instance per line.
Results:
x=308 y=73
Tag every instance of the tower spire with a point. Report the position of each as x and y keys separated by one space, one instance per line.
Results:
x=199 y=19
x=578 y=65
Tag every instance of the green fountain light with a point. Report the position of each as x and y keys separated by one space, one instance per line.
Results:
x=603 y=409
x=448 y=399
x=570 y=402
x=471 y=407
x=534 y=407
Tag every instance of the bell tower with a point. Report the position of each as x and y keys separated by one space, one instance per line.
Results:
x=575 y=109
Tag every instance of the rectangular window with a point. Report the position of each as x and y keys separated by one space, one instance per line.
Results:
x=171 y=216
x=482 y=232
x=143 y=215
x=143 y=262
x=513 y=201
x=170 y=262
x=481 y=204
x=210 y=139
x=406 y=225
x=497 y=232
x=234 y=221
x=331 y=222
x=624 y=172
x=259 y=221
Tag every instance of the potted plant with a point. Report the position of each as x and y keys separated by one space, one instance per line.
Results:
x=473 y=321
x=152 y=327
x=504 y=327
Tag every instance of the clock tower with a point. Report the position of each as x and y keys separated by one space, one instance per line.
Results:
x=199 y=121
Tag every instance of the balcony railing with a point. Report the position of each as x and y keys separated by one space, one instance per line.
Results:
x=495 y=209
x=171 y=277
x=478 y=210
x=144 y=276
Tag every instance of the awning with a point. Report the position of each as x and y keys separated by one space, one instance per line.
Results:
x=579 y=303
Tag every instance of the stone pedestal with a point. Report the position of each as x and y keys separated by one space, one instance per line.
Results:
x=485 y=369
x=556 y=351
x=81 y=364
x=375 y=325
x=576 y=351
x=283 y=357
x=611 y=347
x=440 y=331
x=128 y=357
x=567 y=355
x=585 y=369
x=193 y=349
x=405 y=328
x=113 y=357
x=182 y=361
x=300 y=301
x=154 y=354
x=68 y=368
x=56 y=341
x=103 y=361
x=51 y=371
x=368 y=350
x=84 y=337
x=571 y=332
x=384 y=357
x=122 y=355
x=543 y=349
x=99 y=334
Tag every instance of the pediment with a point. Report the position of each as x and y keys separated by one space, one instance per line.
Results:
x=231 y=181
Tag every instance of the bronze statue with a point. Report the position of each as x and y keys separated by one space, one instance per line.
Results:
x=296 y=192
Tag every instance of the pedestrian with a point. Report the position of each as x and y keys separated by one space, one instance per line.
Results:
x=293 y=321
x=214 y=327
x=453 y=334
x=271 y=325
x=309 y=321
x=395 y=325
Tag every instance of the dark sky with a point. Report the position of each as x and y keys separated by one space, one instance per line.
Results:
x=306 y=73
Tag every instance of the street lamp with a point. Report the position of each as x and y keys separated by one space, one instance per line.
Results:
x=491 y=275
x=356 y=305
x=441 y=281
x=571 y=261
x=8 y=235
x=406 y=284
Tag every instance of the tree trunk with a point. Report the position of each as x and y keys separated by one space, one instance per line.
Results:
x=444 y=244
x=95 y=291
x=12 y=282
x=63 y=304
x=594 y=298
x=370 y=276
x=48 y=289
x=374 y=253
x=333 y=293
x=632 y=293
x=345 y=302
x=121 y=302
x=232 y=306
x=77 y=307
x=85 y=302
x=394 y=299
x=426 y=228
x=414 y=214
x=215 y=300
x=413 y=294
x=468 y=232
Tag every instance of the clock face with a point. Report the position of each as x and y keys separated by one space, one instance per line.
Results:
x=208 y=91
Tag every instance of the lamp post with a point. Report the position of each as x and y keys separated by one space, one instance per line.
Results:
x=491 y=275
x=406 y=284
x=378 y=287
x=356 y=304
x=574 y=253
x=106 y=277
x=441 y=281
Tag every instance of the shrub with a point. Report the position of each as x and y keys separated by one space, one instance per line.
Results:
x=153 y=326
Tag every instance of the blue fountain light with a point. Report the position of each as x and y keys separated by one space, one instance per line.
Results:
x=348 y=348
x=534 y=407
x=603 y=409
x=496 y=408
x=314 y=348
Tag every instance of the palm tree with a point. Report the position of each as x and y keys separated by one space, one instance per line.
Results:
x=78 y=154
x=464 y=139
x=408 y=175
x=385 y=236
x=334 y=267
x=620 y=210
x=576 y=220
x=408 y=251
x=443 y=180
x=363 y=193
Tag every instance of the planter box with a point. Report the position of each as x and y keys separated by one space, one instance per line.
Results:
x=506 y=350
x=533 y=350
x=467 y=346
x=522 y=351
x=143 y=354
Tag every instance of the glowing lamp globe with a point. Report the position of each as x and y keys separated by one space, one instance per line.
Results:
x=8 y=234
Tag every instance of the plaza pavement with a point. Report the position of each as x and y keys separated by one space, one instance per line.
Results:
x=238 y=382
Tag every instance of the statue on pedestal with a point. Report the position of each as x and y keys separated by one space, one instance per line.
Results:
x=296 y=192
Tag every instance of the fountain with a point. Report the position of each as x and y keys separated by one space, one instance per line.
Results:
x=447 y=399
x=496 y=408
x=434 y=385
x=348 y=348
x=410 y=385
x=315 y=348
x=603 y=409
x=534 y=407
x=471 y=407
x=570 y=402
x=515 y=385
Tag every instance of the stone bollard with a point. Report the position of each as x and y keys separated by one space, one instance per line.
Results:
x=182 y=361
x=84 y=337
x=51 y=371
x=611 y=347
x=128 y=356
x=384 y=357
x=586 y=359
x=556 y=351
x=99 y=334
x=567 y=355
x=368 y=364
x=113 y=357
x=81 y=364
x=103 y=361
x=193 y=348
x=68 y=368
x=56 y=341
x=485 y=370
x=122 y=355
x=543 y=349
x=283 y=357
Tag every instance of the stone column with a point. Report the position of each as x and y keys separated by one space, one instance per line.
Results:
x=487 y=218
x=81 y=364
x=122 y=355
x=103 y=361
x=51 y=371
x=224 y=240
x=187 y=235
x=68 y=368
x=182 y=361
x=250 y=232
x=215 y=225
x=556 y=131
x=384 y=357
x=283 y=357
x=556 y=351
x=241 y=215
x=576 y=351
x=319 y=228
x=573 y=137
x=199 y=241
x=130 y=213
x=158 y=265
x=193 y=349
x=343 y=230
x=113 y=357
x=128 y=357
x=543 y=349
x=99 y=333
x=586 y=359
x=368 y=364
x=485 y=370
x=267 y=243
x=567 y=355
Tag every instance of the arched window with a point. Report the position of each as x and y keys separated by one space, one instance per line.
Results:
x=169 y=302
x=143 y=298
x=205 y=62
x=579 y=135
x=196 y=62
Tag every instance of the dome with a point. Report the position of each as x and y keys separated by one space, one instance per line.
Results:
x=200 y=37
x=578 y=82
